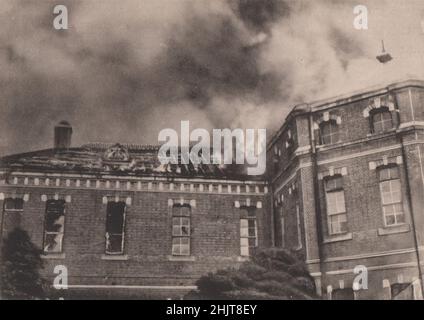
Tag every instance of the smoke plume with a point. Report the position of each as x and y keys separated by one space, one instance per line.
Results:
x=126 y=69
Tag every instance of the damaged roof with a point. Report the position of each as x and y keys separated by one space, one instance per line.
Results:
x=117 y=159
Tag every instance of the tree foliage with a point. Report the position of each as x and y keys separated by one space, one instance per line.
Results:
x=269 y=274
x=21 y=263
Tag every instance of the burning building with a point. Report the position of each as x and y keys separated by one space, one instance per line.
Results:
x=343 y=187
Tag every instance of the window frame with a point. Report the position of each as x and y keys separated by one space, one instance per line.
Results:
x=178 y=239
x=330 y=123
x=6 y=200
x=107 y=234
x=283 y=229
x=335 y=190
x=245 y=238
x=380 y=112
x=393 y=203
x=61 y=233
x=298 y=227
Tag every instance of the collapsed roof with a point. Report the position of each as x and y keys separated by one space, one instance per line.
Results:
x=117 y=159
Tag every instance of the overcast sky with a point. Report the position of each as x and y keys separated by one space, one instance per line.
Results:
x=126 y=69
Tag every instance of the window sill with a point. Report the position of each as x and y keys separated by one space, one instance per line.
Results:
x=181 y=258
x=53 y=256
x=337 y=238
x=118 y=257
x=376 y=134
x=394 y=229
x=329 y=145
x=243 y=258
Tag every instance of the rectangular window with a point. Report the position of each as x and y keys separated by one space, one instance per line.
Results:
x=402 y=291
x=299 y=228
x=336 y=206
x=115 y=225
x=11 y=204
x=391 y=196
x=12 y=209
x=248 y=231
x=283 y=232
x=329 y=132
x=54 y=226
x=181 y=230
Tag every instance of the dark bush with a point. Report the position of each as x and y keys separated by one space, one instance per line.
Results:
x=270 y=274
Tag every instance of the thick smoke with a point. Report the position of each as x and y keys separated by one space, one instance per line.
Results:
x=127 y=69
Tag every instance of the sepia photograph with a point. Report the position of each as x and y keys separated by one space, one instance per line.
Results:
x=222 y=150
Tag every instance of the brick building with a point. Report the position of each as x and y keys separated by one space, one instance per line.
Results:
x=118 y=219
x=344 y=186
x=347 y=182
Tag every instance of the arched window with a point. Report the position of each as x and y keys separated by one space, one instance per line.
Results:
x=381 y=120
x=329 y=132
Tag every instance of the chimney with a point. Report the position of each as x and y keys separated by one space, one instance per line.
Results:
x=62 y=135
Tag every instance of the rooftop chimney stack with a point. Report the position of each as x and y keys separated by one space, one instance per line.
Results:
x=62 y=135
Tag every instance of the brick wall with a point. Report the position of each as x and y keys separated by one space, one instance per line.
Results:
x=215 y=234
x=388 y=255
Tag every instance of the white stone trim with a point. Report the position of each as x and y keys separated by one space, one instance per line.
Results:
x=384 y=161
x=116 y=198
x=331 y=172
x=416 y=287
x=56 y=196
x=14 y=195
x=386 y=283
x=372 y=255
x=182 y=201
x=329 y=292
x=374 y=268
x=378 y=103
x=114 y=184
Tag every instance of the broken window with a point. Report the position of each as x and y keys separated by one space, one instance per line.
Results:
x=54 y=226
x=248 y=230
x=115 y=222
x=181 y=230
x=402 y=291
